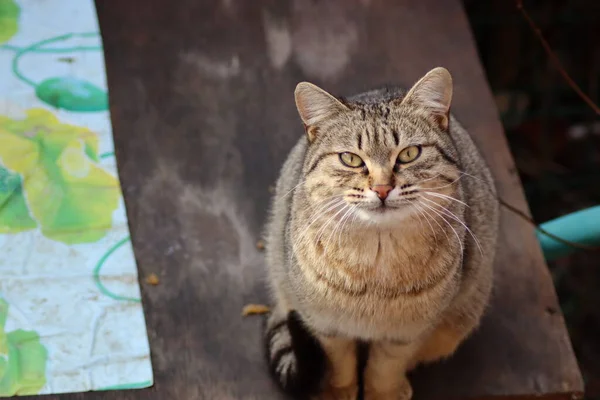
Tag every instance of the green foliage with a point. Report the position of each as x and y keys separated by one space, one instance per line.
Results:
x=72 y=94
x=68 y=195
x=9 y=19
x=14 y=215
x=22 y=360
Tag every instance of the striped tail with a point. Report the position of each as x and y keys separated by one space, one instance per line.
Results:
x=295 y=358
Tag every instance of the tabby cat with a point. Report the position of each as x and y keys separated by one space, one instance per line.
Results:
x=382 y=231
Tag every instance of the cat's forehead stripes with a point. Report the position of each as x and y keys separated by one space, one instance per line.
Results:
x=378 y=139
x=396 y=136
x=380 y=143
x=379 y=113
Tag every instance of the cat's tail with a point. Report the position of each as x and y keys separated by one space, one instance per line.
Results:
x=295 y=357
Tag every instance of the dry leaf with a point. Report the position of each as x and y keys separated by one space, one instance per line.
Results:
x=255 y=309
x=152 y=279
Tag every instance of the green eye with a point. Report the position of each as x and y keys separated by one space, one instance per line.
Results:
x=351 y=160
x=409 y=154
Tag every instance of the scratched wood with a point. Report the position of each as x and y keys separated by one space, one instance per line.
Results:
x=203 y=116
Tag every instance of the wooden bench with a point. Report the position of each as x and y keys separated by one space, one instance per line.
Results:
x=201 y=94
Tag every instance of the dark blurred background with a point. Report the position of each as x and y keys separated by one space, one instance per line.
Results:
x=553 y=134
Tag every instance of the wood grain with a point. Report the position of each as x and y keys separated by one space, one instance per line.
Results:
x=201 y=95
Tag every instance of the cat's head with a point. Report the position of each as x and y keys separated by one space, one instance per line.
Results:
x=380 y=160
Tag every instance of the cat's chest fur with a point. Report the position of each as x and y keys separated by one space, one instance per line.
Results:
x=376 y=278
x=404 y=258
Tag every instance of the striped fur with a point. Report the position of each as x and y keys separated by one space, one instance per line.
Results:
x=295 y=358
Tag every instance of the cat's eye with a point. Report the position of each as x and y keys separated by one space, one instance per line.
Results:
x=409 y=154
x=351 y=160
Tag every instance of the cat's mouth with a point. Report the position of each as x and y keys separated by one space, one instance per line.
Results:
x=383 y=213
x=383 y=208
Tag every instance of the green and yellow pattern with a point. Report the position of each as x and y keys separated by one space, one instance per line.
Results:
x=49 y=169
x=71 y=318
x=22 y=359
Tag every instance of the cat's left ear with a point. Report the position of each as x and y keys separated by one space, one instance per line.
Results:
x=433 y=93
x=315 y=106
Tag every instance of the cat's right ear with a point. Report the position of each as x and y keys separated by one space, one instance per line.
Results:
x=315 y=106
x=433 y=93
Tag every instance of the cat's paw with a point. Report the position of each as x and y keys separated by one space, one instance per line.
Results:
x=338 y=393
x=402 y=392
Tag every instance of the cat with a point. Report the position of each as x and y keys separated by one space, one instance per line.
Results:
x=382 y=230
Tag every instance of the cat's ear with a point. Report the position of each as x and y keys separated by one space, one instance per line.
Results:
x=433 y=93
x=315 y=106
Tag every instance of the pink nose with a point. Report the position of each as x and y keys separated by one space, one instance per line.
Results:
x=382 y=190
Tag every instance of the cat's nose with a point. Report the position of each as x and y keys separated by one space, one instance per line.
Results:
x=382 y=190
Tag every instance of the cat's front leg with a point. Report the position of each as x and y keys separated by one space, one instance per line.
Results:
x=385 y=373
x=342 y=379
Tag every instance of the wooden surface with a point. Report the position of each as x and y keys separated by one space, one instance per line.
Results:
x=203 y=116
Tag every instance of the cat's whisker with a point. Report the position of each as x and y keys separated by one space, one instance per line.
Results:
x=474 y=177
x=430 y=179
x=339 y=226
x=432 y=217
x=418 y=214
x=324 y=225
x=420 y=220
x=342 y=222
x=325 y=204
x=462 y=174
x=301 y=239
x=332 y=231
x=292 y=189
x=421 y=212
x=326 y=199
x=454 y=217
x=321 y=210
x=323 y=228
x=460 y=243
x=443 y=196
x=355 y=215
x=440 y=187
x=324 y=211
x=349 y=213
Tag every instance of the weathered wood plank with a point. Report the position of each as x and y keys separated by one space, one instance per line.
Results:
x=203 y=115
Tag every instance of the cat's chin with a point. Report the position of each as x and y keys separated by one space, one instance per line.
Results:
x=384 y=216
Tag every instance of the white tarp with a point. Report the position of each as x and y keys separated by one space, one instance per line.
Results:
x=71 y=319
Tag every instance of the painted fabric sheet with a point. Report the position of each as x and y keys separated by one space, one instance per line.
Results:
x=71 y=319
